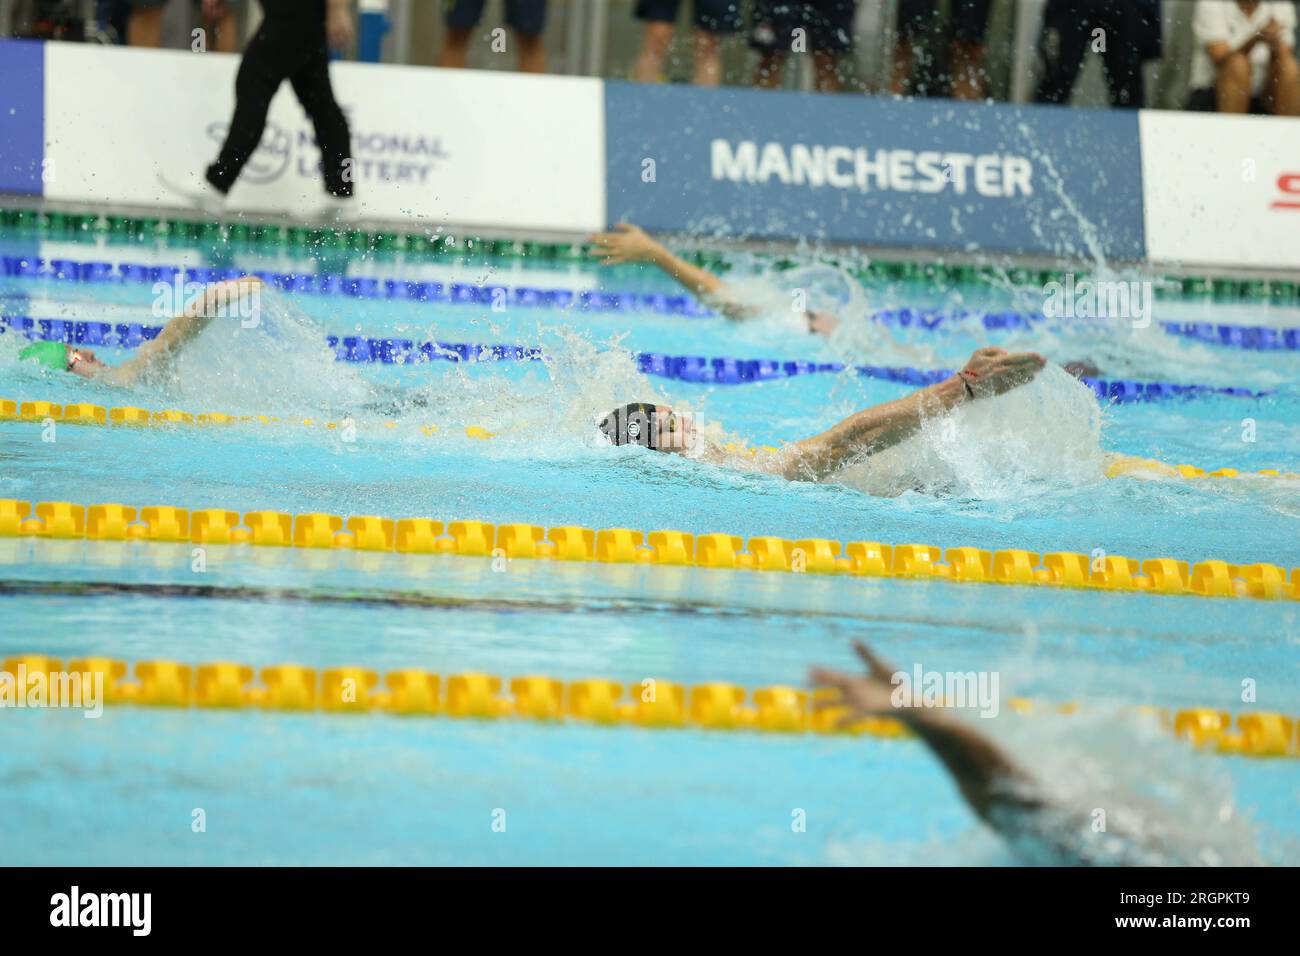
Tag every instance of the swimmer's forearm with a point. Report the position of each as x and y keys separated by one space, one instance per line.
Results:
x=692 y=278
x=985 y=775
x=699 y=282
x=207 y=303
x=197 y=314
x=871 y=430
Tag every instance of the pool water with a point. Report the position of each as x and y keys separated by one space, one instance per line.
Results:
x=1023 y=471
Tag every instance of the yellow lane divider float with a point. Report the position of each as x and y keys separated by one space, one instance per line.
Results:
x=648 y=703
x=219 y=526
x=1118 y=466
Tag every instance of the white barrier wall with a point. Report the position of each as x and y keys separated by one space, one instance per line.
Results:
x=1221 y=190
x=448 y=146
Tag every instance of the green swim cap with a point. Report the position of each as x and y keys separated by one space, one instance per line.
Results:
x=52 y=354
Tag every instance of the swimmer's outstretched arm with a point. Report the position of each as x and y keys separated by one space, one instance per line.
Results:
x=629 y=243
x=989 y=780
x=181 y=329
x=990 y=371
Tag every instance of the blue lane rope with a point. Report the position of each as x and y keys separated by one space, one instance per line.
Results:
x=682 y=368
x=1254 y=338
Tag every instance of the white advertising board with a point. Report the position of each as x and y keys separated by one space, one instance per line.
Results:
x=455 y=147
x=1221 y=190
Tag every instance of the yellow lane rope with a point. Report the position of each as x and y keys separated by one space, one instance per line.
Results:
x=822 y=556
x=650 y=703
x=1118 y=465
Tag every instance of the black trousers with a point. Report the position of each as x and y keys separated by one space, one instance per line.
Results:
x=1068 y=27
x=289 y=45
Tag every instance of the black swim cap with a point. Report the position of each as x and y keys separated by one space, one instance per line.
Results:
x=632 y=424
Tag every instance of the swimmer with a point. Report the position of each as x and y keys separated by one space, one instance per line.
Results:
x=1000 y=792
x=990 y=371
x=155 y=357
x=629 y=243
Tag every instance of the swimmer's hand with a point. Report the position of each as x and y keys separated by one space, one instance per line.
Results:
x=822 y=323
x=624 y=243
x=629 y=243
x=994 y=371
x=869 y=696
x=988 y=778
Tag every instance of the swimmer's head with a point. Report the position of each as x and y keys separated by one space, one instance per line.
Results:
x=821 y=322
x=63 y=358
x=652 y=426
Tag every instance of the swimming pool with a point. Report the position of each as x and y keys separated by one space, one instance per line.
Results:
x=1025 y=473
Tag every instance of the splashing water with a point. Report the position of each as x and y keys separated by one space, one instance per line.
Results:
x=282 y=365
x=1044 y=434
x=1160 y=804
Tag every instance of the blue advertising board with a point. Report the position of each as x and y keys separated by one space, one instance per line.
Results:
x=22 y=116
x=876 y=171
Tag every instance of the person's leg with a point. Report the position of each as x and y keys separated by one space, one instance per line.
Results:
x=913 y=16
x=311 y=84
x=706 y=51
x=144 y=26
x=655 y=41
x=659 y=17
x=1201 y=101
x=227 y=28
x=461 y=19
x=527 y=18
x=970 y=22
x=271 y=57
x=1062 y=44
x=532 y=54
x=771 y=65
x=226 y=32
x=1282 y=84
x=826 y=72
x=1232 y=84
x=1122 y=58
x=713 y=20
x=904 y=59
x=770 y=36
x=830 y=36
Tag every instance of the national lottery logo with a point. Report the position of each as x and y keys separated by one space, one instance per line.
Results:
x=378 y=155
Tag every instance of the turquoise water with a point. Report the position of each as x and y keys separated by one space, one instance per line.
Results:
x=317 y=789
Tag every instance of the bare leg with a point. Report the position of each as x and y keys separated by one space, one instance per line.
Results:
x=654 y=50
x=967 y=67
x=144 y=28
x=708 y=58
x=1282 y=88
x=532 y=55
x=826 y=68
x=1232 y=84
x=768 y=74
x=904 y=58
x=225 y=34
x=455 y=48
